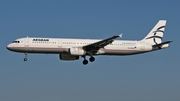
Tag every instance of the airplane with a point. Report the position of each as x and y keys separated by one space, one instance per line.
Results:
x=72 y=49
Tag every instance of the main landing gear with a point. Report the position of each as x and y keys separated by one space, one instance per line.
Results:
x=25 y=59
x=91 y=59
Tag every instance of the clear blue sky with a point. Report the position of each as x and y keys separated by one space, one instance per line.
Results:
x=146 y=77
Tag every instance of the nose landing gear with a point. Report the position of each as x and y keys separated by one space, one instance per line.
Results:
x=25 y=59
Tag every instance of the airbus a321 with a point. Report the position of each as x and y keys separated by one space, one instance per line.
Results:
x=72 y=49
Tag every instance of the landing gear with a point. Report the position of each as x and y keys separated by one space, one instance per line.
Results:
x=85 y=62
x=25 y=59
x=91 y=59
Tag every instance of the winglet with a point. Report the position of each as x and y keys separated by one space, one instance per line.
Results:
x=120 y=35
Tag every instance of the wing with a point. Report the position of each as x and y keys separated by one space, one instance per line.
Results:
x=100 y=44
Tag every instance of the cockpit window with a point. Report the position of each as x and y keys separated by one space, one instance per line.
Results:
x=15 y=42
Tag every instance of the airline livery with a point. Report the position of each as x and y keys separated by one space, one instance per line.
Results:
x=72 y=49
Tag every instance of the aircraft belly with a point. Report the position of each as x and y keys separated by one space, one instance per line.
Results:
x=46 y=50
x=40 y=50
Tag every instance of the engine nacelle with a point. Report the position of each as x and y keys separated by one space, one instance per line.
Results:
x=78 y=51
x=68 y=57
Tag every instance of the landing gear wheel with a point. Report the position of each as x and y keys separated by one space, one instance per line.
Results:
x=91 y=59
x=25 y=59
x=85 y=62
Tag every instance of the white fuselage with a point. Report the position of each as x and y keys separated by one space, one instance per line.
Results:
x=62 y=45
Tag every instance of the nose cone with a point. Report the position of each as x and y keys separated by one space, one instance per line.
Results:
x=9 y=47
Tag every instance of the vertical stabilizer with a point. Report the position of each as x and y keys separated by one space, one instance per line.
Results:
x=156 y=34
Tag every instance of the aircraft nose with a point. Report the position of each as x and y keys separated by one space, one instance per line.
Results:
x=9 y=47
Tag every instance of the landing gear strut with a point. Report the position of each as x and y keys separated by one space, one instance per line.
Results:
x=85 y=62
x=25 y=59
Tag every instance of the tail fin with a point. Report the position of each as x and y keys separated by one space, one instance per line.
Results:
x=156 y=34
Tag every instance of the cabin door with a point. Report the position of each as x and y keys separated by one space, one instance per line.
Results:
x=26 y=42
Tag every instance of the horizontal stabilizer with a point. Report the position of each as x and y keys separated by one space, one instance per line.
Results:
x=163 y=43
